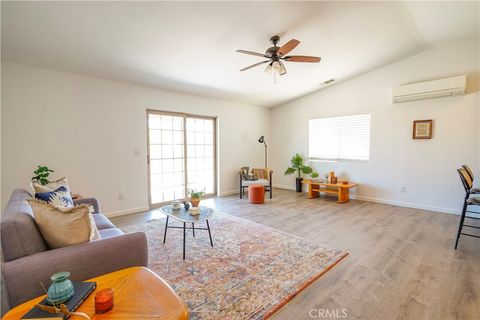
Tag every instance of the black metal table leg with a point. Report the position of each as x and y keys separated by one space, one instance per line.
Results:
x=209 y=233
x=193 y=229
x=165 y=234
x=184 y=236
x=462 y=219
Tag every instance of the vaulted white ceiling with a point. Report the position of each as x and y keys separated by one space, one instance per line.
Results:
x=190 y=46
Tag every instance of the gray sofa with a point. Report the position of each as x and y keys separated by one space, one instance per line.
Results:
x=27 y=260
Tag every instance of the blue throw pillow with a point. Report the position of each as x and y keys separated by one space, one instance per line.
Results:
x=60 y=197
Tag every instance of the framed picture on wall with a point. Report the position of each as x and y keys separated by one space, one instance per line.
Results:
x=422 y=129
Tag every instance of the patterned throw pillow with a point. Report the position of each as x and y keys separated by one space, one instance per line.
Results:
x=60 y=198
x=61 y=227
x=56 y=193
x=51 y=186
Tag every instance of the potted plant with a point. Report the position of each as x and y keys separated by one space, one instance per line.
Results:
x=300 y=167
x=41 y=175
x=195 y=197
x=314 y=175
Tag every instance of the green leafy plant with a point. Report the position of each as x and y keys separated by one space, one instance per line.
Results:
x=314 y=175
x=41 y=175
x=195 y=194
x=298 y=166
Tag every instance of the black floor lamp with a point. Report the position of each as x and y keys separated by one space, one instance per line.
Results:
x=262 y=140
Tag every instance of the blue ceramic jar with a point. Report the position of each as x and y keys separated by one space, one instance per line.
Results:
x=61 y=288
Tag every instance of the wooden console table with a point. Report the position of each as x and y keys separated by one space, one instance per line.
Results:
x=139 y=294
x=342 y=191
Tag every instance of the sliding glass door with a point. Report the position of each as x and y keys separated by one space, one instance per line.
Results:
x=181 y=156
x=201 y=154
x=166 y=157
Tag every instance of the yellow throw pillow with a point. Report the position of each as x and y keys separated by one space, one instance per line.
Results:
x=62 y=227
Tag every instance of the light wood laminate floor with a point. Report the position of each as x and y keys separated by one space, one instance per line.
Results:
x=401 y=262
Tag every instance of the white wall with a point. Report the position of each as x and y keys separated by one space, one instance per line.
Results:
x=425 y=167
x=87 y=129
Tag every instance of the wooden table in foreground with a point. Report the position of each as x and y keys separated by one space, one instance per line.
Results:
x=139 y=294
x=342 y=191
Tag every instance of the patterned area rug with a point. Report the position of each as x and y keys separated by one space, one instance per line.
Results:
x=251 y=271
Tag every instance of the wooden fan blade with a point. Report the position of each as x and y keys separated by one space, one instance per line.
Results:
x=251 y=53
x=287 y=47
x=302 y=59
x=254 y=65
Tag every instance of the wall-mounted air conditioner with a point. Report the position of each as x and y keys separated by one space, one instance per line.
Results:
x=447 y=87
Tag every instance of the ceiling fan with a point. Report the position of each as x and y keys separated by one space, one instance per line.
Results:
x=276 y=55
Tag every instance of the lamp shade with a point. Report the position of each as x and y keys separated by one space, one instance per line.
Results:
x=269 y=69
x=276 y=66
x=282 y=69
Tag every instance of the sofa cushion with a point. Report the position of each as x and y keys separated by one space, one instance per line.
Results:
x=62 y=227
x=19 y=233
x=110 y=233
x=262 y=182
x=102 y=222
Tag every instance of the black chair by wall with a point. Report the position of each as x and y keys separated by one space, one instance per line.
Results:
x=467 y=181
x=470 y=174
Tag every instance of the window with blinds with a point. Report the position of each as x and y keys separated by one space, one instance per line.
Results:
x=340 y=138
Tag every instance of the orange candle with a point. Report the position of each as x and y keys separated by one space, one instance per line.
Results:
x=104 y=300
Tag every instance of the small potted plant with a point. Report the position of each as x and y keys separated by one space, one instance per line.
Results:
x=314 y=175
x=300 y=167
x=195 y=197
x=41 y=175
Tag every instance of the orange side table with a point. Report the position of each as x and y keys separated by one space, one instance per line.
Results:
x=139 y=294
x=256 y=194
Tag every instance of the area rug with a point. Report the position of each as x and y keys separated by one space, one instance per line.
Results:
x=251 y=271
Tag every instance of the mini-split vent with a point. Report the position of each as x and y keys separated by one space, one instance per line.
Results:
x=328 y=81
x=446 y=87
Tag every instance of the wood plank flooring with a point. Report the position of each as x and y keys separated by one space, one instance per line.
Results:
x=402 y=264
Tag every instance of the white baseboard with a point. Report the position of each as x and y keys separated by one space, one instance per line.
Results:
x=125 y=212
x=279 y=186
x=408 y=204
x=390 y=202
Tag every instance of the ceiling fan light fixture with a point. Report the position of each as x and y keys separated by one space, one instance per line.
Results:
x=283 y=70
x=277 y=55
x=276 y=66
x=269 y=68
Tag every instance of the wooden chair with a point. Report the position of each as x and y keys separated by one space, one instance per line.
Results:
x=470 y=174
x=263 y=177
x=467 y=182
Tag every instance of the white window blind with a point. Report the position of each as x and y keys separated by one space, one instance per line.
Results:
x=340 y=138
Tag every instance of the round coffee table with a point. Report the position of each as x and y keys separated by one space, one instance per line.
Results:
x=185 y=217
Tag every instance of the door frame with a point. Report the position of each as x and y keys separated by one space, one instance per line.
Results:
x=215 y=152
